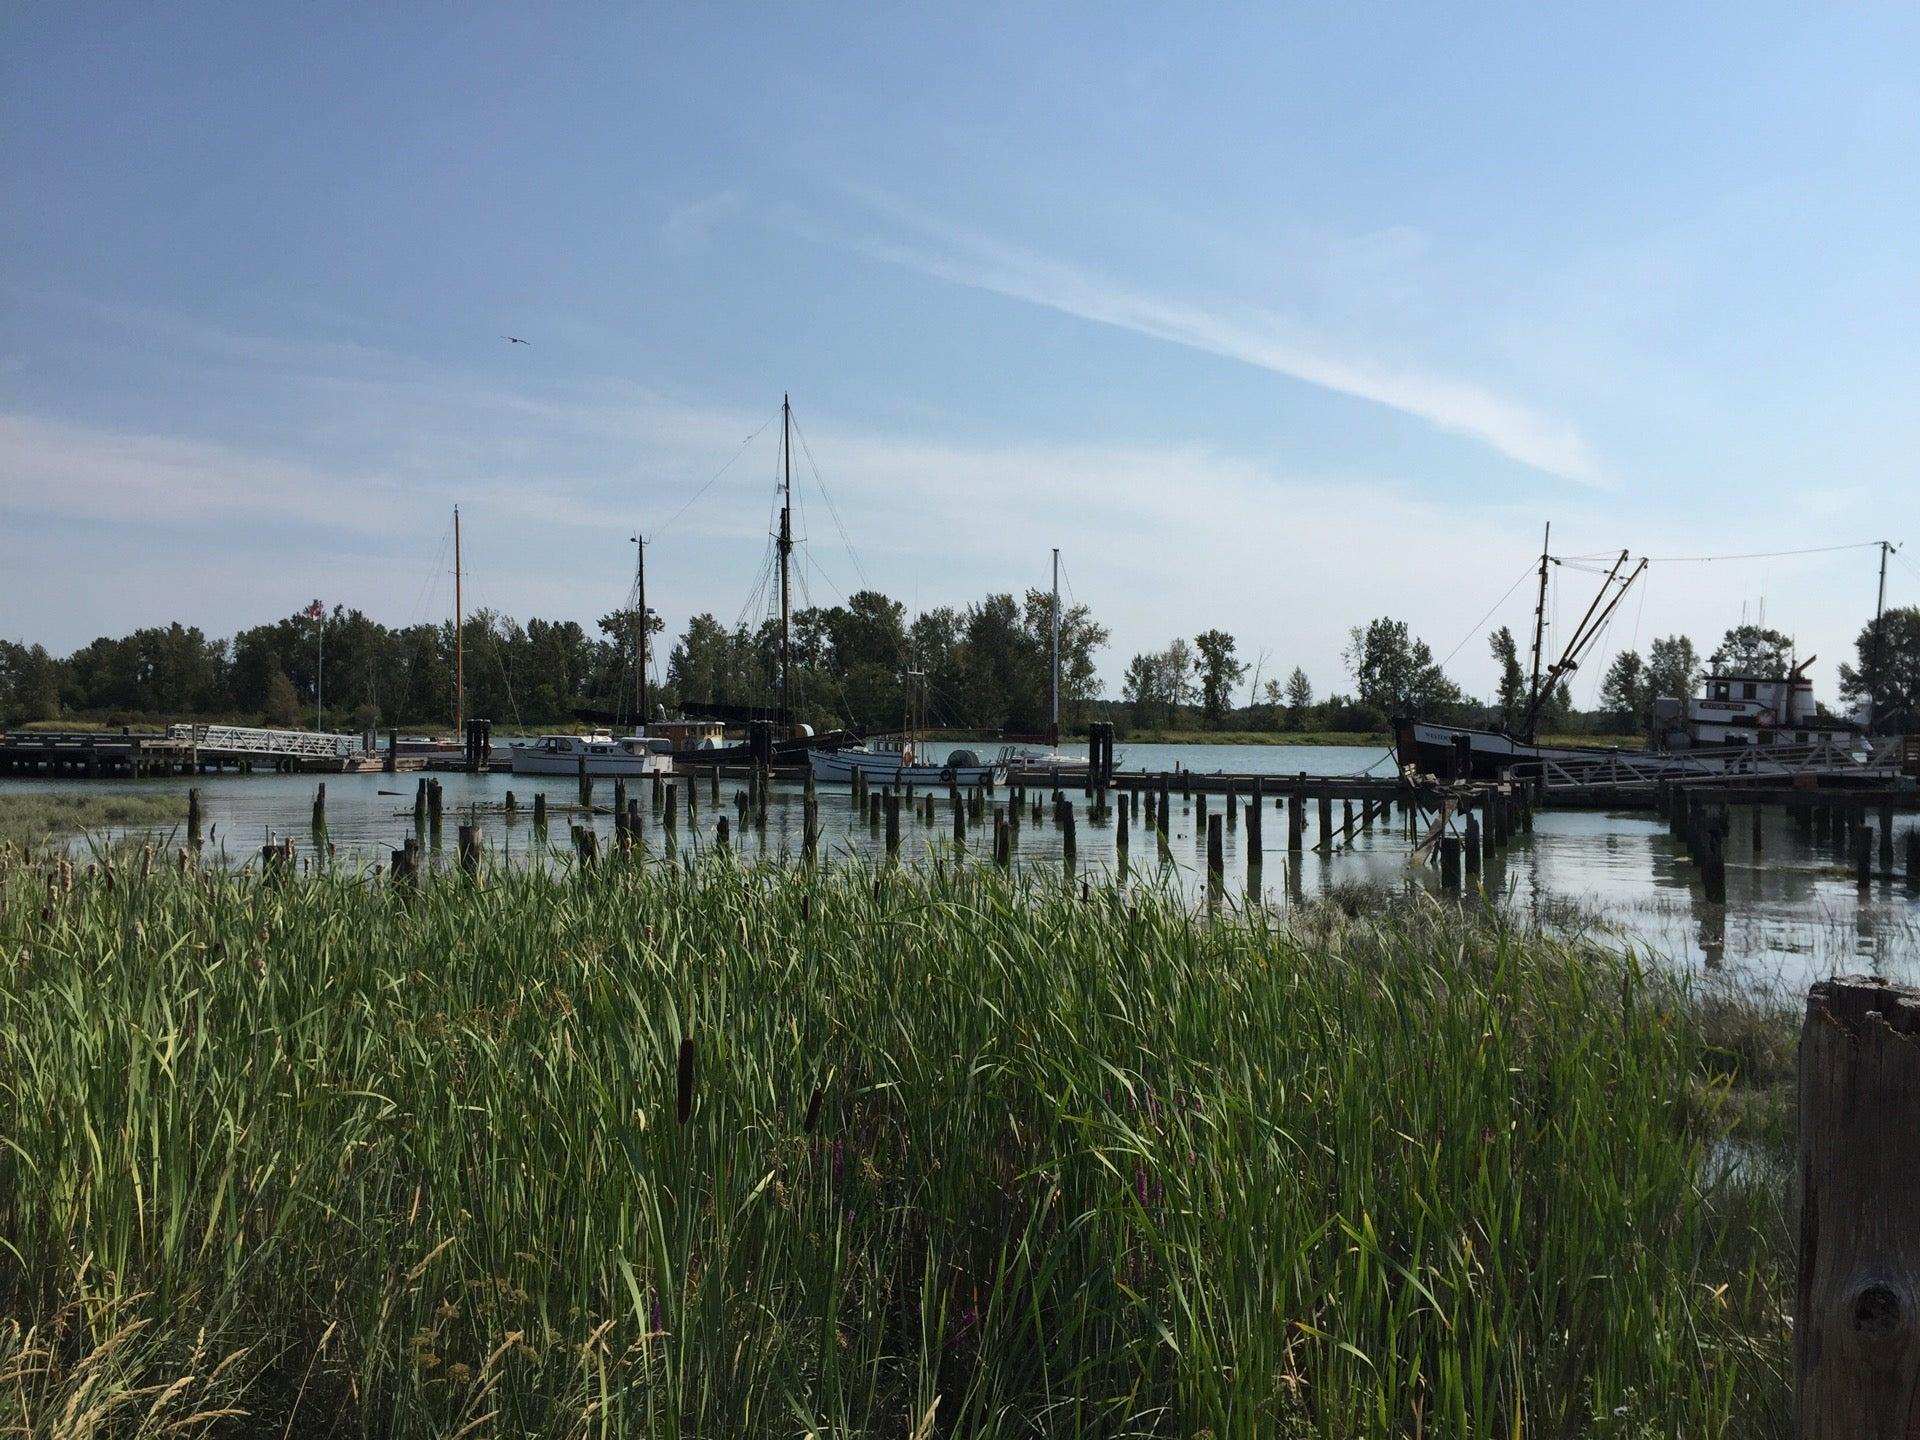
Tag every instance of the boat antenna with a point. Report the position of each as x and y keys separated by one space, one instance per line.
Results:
x=459 y=637
x=1539 y=631
x=640 y=639
x=786 y=552
x=1054 y=738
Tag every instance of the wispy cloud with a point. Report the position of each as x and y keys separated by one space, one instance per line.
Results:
x=1252 y=336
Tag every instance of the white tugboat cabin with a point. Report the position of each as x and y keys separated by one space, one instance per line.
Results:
x=1734 y=709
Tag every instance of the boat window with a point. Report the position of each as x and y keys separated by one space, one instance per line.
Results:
x=1748 y=691
x=1720 y=692
x=1801 y=736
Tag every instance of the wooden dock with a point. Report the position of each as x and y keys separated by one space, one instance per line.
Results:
x=181 y=750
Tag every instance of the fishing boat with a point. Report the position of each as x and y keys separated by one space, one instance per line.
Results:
x=895 y=760
x=596 y=753
x=1738 y=724
x=893 y=763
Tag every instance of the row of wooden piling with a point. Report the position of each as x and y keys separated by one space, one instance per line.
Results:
x=1700 y=818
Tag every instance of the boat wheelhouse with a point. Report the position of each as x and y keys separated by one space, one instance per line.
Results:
x=1735 y=709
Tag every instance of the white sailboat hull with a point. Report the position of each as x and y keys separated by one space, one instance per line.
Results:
x=839 y=767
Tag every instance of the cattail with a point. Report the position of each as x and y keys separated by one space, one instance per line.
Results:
x=813 y=1111
x=684 y=1106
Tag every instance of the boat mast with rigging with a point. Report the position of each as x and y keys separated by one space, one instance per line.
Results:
x=786 y=552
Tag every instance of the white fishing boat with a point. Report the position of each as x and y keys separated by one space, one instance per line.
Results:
x=893 y=763
x=597 y=753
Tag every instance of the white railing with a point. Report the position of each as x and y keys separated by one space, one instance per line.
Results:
x=249 y=740
x=1628 y=769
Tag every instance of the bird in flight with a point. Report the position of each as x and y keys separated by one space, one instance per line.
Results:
x=515 y=339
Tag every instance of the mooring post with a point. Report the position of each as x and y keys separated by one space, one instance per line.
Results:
x=1855 y=1342
x=1863 y=857
x=434 y=798
x=1216 y=853
x=1068 y=846
x=1472 y=847
x=1324 y=840
x=470 y=851
x=400 y=862
x=193 y=817
x=540 y=814
x=722 y=834
x=633 y=820
x=1232 y=806
x=893 y=825
x=1296 y=819
x=420 y=804
x=1450 y=863
x=713 y=784
x=873 y=811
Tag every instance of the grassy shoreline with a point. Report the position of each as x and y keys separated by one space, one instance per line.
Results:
x=721 y=1149
x=34 y=818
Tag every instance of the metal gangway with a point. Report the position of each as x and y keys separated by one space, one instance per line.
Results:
x=1631 y=770
x=248 y=740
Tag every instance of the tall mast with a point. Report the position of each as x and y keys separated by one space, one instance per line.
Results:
x=459 y=639
x=640 y=639
x=1054 y=738
x=786 y=550
x=1539 y=632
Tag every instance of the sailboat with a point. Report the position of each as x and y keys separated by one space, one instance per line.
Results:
x=1049 y=757
x=600 y=752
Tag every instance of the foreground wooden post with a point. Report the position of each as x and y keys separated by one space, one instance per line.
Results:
x=1857 y=1317
x=470 y=847
x=193 y=818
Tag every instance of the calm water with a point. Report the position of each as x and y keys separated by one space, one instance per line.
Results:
x=1791 y=915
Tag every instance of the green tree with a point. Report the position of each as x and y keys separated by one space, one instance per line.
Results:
x=1219 y=673
x=1673 y=669
x=29 y=683
x=1396 y=673
x=1889 y=670
x=1513 y=680
x=1754 y=650
x=1299 y=698
x=1624 y=690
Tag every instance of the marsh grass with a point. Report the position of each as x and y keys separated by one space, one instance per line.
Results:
x=723 y=1149
x=34 y=818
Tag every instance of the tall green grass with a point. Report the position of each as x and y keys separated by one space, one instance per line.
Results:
x=962 y=1155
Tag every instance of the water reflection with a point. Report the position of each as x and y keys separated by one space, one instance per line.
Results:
x=1793 y=910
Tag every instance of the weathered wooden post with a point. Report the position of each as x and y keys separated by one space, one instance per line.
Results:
x=622 y=831
x=470 y=848
x=959 y=821
x=893 y=825
x=722 y=834
x=873 y=811
x=1886 y=838
x=1450 y=863
x=1002 y=839
x=1069 y=848
x=713 y=783
x=1863 y=857
x=540 y=814
x=1232 y=806
x=1256 y=823
x=1856 y=1331
x=809 y=828
x=193 y=817
x=1324 y=840
x=1216 y=855
x=586 y=783
x=633 y=820
x=435 y=797
x=401 y=862
x=1120 y=834
x=391 y=760
x=420 y=805
x=1471 y=851
x=619 y=796
x=1296 y=820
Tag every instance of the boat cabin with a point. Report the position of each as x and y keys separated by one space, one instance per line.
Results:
x=686 y=735
x=1761 y=710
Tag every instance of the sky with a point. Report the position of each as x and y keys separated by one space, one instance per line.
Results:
x=1272 y=318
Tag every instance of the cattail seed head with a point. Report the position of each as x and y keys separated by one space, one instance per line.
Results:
x=684 y=1106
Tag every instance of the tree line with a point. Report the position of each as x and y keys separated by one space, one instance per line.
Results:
x=985 y=667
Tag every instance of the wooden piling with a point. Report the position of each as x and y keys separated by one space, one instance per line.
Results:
x=1450 y=863
x=893 y=825
x=1711 y=855
x=722 y=834
x=1856 y=1334
x=1002 y=839
x=540 y=814
x=420 y=804
x=1863 y=857
x=1069 y=847
x=1216 y=853
x=1886 y=838
x=470 y=851
x=1471 y=848
x=586 y=783
x=1324 y=840
x=400 y=864
x=193 y=817
x=1913 y=858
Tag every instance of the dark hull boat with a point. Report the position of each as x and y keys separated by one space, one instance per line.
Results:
x=1455 y=752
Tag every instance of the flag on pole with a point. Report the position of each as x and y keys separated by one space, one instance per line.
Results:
x=316 y=610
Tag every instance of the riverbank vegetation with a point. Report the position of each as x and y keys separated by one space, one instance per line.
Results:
x=985 y=665
x=724 y=1150
x=32 y=818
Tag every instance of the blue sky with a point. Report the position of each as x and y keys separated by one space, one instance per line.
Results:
x=1273 y=318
